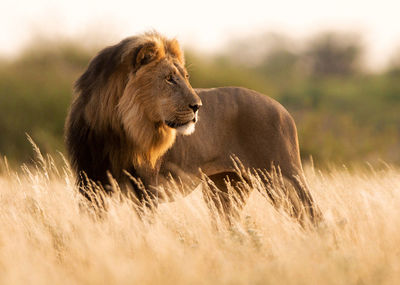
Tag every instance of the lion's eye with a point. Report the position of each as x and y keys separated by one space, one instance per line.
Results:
x=170 y=79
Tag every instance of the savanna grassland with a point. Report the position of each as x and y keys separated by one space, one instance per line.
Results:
x=48 y=235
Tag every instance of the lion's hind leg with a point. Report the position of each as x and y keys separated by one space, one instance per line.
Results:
x=291 y=194
x=306 y=208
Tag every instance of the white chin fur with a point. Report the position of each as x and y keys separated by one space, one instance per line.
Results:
x=187 y=129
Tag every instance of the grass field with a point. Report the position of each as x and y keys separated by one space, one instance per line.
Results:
x=48 y=237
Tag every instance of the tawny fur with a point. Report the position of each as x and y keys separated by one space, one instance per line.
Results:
x=135 y=97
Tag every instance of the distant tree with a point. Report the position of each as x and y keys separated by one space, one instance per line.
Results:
x=256 y=49
x=333 y=54
x=394 y=64
x=278 y=62
x=272 y=55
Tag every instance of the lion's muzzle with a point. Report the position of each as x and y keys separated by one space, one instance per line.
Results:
x=185 y=127
x=176 y=123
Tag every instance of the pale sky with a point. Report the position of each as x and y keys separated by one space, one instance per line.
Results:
x=206 y=24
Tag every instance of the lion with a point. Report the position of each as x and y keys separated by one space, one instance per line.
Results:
x=135 y=119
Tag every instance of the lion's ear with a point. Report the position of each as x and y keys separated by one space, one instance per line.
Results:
x=144 y=54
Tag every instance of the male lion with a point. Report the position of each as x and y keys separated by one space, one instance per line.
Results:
x=132 y=107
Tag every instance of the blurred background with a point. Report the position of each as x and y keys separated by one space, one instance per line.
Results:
x=334 y=65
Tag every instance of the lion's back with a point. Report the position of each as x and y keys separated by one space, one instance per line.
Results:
x=239 y=121
x=241 y=107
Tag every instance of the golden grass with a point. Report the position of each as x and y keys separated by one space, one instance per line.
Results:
x=48 y=237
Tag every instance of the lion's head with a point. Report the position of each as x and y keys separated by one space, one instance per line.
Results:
x=140 y=88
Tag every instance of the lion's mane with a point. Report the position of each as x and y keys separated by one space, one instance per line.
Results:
x=107 y=131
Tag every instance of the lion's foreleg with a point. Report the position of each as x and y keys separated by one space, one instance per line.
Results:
x=225 y=195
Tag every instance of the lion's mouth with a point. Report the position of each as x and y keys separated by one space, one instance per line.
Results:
x=176 y=125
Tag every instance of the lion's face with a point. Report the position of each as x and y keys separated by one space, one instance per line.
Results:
x=158 y=89
x=176 y=103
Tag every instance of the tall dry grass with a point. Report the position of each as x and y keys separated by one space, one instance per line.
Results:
x=48 y=237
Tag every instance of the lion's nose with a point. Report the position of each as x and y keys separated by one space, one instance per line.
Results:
x=194 y=107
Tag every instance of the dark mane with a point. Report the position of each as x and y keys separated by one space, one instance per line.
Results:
x=106 y=131
x=100 y=68
x=91 y=151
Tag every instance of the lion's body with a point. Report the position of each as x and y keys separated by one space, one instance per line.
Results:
x=135 y=98
x=252 y=128
x=240 y=122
